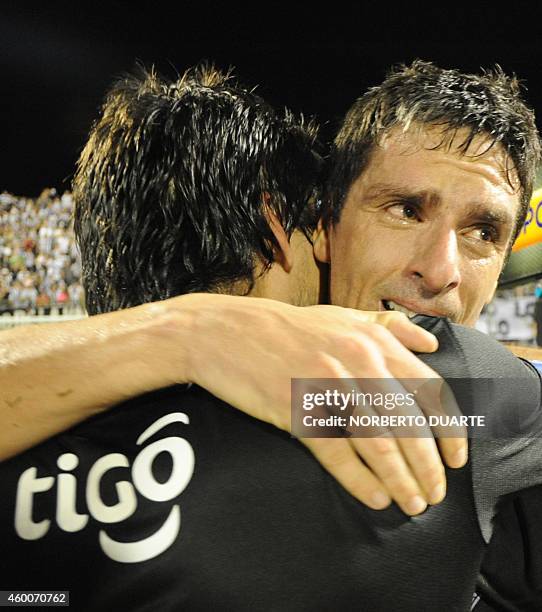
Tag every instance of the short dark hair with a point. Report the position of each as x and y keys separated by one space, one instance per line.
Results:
x=488 y=104
x=169 y=188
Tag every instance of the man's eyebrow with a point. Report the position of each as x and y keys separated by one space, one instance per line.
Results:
x=482 y=212
x=386 y=189
x=380 y=190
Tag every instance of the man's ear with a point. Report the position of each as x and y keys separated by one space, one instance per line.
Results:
x=282 y=249
x=321 y=245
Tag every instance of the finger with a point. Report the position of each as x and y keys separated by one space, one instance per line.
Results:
x=415 y=439
x=384 y=457
x=416 y=447
x=338 y=457
x=408 y=333
x=433 y=396
x=417 y=463
x=454 y=451
x=424 y=460
x=438 y=403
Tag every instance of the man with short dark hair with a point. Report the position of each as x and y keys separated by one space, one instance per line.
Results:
x=431 y=177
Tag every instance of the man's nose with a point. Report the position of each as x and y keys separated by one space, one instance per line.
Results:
x=437 y=262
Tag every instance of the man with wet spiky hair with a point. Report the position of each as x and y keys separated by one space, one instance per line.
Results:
x=169 y=191
x=431 y=176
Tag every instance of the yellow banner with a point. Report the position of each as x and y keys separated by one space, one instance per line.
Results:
x=532 y=228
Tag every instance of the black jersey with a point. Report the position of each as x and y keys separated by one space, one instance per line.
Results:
x=176 y=501
x=511 y=575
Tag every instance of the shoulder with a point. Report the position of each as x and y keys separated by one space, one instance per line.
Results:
x=466 y=352
x=487 y=379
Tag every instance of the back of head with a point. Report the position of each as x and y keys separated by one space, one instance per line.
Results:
x=170 y=186
x=423 y=95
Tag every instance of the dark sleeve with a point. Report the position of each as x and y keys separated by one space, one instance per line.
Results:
x=488 y=380
x=511 y=573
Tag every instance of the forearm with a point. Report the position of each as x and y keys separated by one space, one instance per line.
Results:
x=55 y=375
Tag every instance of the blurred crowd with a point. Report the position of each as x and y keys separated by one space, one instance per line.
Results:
x=40 y=268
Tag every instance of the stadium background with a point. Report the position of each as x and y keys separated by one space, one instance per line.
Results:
x=57 y=60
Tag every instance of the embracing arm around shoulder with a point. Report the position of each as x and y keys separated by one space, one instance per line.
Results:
x=243 y=350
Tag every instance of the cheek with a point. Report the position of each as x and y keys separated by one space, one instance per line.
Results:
x=352 y=260
x=342 y=247
x=485 y=275
x=480 y=285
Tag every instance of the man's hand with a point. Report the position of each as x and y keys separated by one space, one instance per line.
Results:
x=246 y=352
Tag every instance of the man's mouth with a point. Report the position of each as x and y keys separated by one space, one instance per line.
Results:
x=391 y=305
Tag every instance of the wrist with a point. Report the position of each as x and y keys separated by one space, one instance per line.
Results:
x=171 y=329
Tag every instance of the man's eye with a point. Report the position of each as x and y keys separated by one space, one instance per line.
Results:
x=404 y=211
x=486 y=233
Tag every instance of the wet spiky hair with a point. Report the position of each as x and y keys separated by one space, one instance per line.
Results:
x=169 y=187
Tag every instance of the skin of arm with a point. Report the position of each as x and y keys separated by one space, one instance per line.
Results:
x=54 y=376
